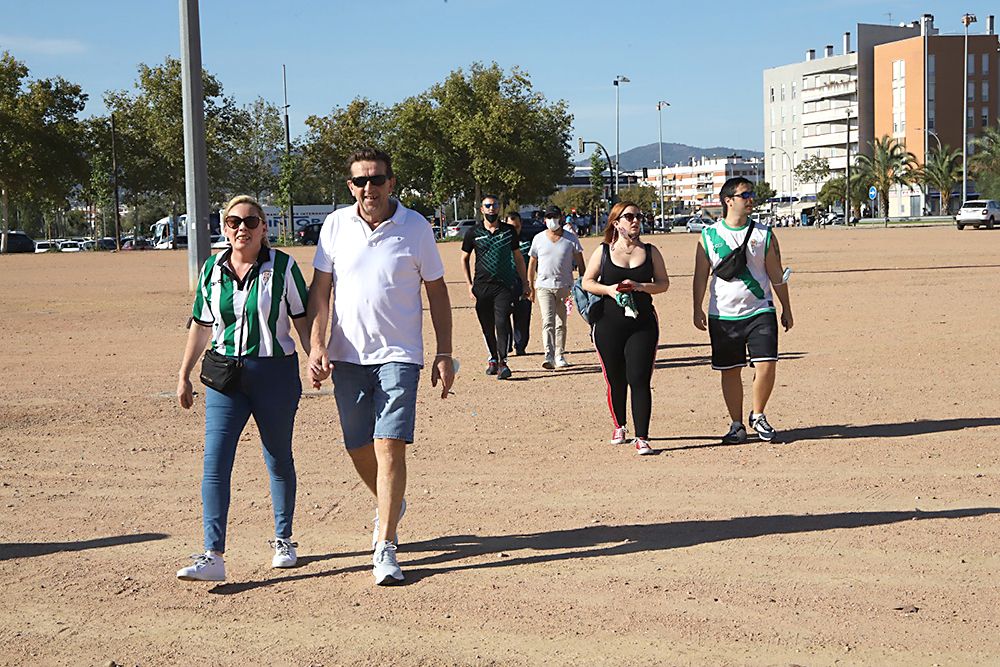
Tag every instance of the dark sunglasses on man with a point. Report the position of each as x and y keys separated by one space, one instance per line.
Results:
x=362 y=181
x=744 y=195
x=632 y=217
x=234 y=221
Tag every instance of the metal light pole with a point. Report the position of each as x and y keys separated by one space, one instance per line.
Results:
x=659 y=124
x=290 y=230
x=114 y=181
x=582 y=147
x=966 y=20
x=195 y=161
x=847 y=173
x=621 y=78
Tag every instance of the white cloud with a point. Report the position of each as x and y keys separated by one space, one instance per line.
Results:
x=41 y=46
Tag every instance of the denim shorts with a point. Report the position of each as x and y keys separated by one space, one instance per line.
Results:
x=376 y=401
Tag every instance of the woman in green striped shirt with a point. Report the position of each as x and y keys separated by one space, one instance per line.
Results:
x=248 y=299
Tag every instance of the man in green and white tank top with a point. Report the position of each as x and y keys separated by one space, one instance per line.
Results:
x=741 y=313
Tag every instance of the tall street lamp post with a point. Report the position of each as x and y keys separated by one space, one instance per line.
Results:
x=847 y=173
x=966 y=20
x=659 y=124
x=620 y=79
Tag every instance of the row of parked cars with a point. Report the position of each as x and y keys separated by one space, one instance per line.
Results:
x=18 y=241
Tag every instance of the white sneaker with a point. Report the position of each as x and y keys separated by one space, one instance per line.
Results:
x=206 y=567
x=619 y=436
x=395 y=538
x=549 y=363
x=642 y=446
x=386 y=569
x=284 y=553
x=561 y=362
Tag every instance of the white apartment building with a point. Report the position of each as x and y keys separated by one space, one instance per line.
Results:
x=822 y=106
x=695 y=186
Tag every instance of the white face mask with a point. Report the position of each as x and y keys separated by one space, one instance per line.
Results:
x=552 y=224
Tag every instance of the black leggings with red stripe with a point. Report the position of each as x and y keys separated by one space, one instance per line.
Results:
x=627 y=350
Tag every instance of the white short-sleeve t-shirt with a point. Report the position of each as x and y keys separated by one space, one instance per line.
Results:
x=377 y=276
x=555 y=259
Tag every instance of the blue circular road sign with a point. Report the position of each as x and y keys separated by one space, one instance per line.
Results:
x=872 y=192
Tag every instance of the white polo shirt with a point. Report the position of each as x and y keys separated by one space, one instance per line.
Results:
x=377 y=277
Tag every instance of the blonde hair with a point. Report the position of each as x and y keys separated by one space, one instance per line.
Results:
x=247 y=199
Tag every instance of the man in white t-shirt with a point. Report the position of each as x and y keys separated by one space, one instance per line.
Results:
x=375 y=256
x=550 y=273
x=741 y=313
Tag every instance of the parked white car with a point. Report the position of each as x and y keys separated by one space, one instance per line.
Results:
x=978 y=212
x=459 y=228
x=696 y=224
x=70 y=246
x=219 y=241
x=45 y=246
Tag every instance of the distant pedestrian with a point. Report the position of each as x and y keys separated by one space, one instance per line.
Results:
x=553 y=255
x=498 y=273
x=626 y=272
x=741 y=313
x=520 y=314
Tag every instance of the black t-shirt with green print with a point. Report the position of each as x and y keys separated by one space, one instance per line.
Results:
x=494 y=254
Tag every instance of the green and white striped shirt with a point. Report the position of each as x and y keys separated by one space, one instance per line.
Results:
x=750 y=292
x=252 y=317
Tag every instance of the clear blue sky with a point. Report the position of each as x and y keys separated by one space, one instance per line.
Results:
x=705 y=58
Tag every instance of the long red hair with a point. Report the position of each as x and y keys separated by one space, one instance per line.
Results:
x=610 y=232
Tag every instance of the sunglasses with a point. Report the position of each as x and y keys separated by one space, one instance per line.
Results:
x=362 y=181
x=632 y=217
x=234 y=221
x=744 y=195
x=491 y=205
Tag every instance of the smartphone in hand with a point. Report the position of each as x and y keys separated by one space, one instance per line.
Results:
x=624 y=286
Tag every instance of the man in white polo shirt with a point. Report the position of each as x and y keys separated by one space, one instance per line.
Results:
x=375 y=256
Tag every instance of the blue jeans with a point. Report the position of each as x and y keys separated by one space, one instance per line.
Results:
x=269 y=390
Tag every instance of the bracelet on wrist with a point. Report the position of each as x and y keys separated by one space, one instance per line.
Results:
x=443 y=355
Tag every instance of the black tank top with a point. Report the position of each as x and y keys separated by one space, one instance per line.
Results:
x=612 y=274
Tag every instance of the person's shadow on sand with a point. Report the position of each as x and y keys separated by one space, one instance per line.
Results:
x=453 y=553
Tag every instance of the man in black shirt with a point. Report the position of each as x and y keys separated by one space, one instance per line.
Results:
x=499 y=267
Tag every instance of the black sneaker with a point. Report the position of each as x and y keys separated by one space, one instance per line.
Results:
x=504 y=372
x=492 y=368
x=737 y=435
x=764 y=430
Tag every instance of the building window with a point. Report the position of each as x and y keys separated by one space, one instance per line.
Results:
x=795 y=135
x=784 y=184
x=970 y=119
x=793 y=84
x=970 y=93
x=931 y=64
x=971 y=64
x=784 y=138
x=782 y=92
x=782 y=113
x=986 y=116
x=986 y=64
x=772 y=93
x=984 y=92
x=772 y=138
x=795 y=113
x=898 y=97
x=931 y=91
x=930 y=117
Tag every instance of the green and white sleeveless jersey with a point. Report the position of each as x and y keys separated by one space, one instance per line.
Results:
x=749 y=293
x=251 y=317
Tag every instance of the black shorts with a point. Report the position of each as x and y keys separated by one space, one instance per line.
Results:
x=732 y=338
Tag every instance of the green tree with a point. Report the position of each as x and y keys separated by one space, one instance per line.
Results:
x=41 y=141
x=570 y=199
x=597 y=167
x=331 y=139
x=256 y=148
x=644 y=196
x=942 y=171
x=889 y=164
x=833 y=192
x=762 y=191
x=812 y=169
x=984 y=163
x=151 y=132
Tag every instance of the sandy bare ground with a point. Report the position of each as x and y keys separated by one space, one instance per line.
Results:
x=868 y=535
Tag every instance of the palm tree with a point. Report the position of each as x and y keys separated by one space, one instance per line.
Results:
x=984 y=163
x=942 y=171
x=889 y=164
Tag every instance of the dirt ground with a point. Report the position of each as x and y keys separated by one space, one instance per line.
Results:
x=868 y=534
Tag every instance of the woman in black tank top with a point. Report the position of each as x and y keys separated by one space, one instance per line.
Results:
x=625 y=273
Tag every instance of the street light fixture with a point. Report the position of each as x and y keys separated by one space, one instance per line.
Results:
x=967 y=19
x=620 y=79
x=581 y=147
x=659 y=123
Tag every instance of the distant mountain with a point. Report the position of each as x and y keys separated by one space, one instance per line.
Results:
x=648 y=156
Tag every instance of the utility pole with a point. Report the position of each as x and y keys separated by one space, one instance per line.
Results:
x=620 y=79
x=114 y=181
x=288 y=155
x=195 y=161
x=659 y=123
x=966 y=20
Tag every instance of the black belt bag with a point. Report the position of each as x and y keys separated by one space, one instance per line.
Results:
x=220 y=372
x=732 y=265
